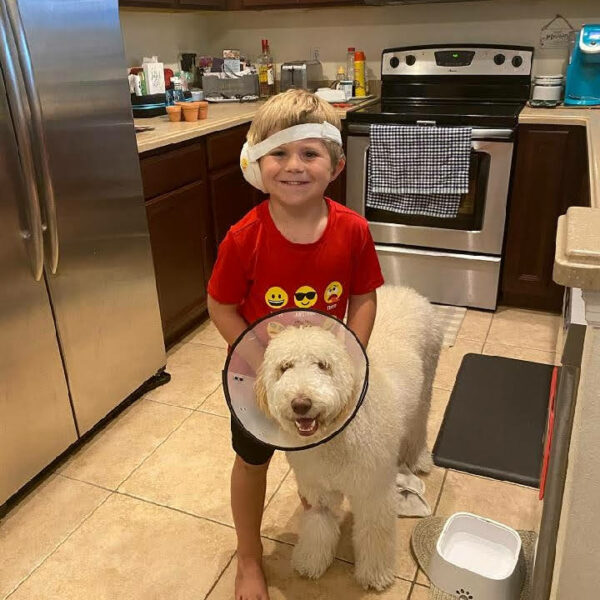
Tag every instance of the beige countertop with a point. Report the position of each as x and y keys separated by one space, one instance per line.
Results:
x=220 y=116
x=577 y=258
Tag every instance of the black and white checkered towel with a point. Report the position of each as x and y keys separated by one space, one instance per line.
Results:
x=418 y=169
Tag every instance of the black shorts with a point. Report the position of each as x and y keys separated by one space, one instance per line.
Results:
x=247 y=448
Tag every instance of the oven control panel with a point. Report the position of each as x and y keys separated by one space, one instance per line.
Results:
x=458 y=60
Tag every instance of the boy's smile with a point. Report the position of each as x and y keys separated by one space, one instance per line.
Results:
x=298 y=171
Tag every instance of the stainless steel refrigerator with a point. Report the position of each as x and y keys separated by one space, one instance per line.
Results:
x=79 y=320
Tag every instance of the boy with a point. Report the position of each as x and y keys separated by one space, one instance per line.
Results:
x=295 y=249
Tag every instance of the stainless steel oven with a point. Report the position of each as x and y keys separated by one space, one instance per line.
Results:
x=451 y=260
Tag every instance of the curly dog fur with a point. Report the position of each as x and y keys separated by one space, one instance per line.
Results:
x=307 y=382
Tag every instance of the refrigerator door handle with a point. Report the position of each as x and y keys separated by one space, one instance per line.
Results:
x=34 y=234
x=46 y=192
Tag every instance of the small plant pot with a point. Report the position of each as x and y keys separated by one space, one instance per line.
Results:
x=190 y=111
x=174 y=113
x=203 y=110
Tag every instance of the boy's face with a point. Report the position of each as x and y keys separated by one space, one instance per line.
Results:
x=298 y=172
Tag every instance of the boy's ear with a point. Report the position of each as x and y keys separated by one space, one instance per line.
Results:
x=338 y=169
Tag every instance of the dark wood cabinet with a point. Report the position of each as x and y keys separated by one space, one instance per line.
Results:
x=202 y=4
x=550 y=173
x=148 y=3
x=177 y=222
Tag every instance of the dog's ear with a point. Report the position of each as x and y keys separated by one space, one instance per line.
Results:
x=274 y=329
x=260 y=391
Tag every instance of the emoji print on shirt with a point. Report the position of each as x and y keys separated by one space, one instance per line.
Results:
x=333 y=292
x=305 y=297
x=276 y=297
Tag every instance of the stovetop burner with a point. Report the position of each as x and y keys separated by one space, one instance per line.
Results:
x=453 y=113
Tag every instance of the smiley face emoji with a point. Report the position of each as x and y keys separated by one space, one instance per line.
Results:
x=333 y=292
x=305 y=297
x=276 y=297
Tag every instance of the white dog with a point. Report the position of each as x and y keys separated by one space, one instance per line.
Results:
x=307 y=384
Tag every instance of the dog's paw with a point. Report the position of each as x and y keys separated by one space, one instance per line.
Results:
x=374 y=577
x=310 y=562
x=424 y=463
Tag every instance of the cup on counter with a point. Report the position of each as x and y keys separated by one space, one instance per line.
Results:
x=346 y=86
x=197 y=95
x=174 y=112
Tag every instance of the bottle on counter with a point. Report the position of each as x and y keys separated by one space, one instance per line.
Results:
x=360 y=81
x=266 y=72
x=350 y=66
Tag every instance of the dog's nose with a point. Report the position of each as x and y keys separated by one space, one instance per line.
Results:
x=301 y=405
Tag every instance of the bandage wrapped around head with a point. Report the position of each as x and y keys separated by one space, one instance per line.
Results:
x=250 y=154
x=325 y=367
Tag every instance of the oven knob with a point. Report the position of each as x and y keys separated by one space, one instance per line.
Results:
x=499 y=59
x=394 y=62
x=517 y=61
x=411 y=59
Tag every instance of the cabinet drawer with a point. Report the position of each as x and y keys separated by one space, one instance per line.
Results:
x=167 y=171
x=224 y=147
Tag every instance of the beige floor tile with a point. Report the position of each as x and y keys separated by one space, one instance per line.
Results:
x=514 y=505
x=115 y=451
x=540 y=356
x=450 y=360
x=39 y=523
x=135 y=550
x=475 y=325
x=419 y=593
x=207 y=333
x=439 y=401
x=524 y=328
x=191 y=470
x=282 y=518
x=285 y=584
x=195 y=374
x=216 y=404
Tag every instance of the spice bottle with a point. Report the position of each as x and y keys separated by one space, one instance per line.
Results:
x=266 y=72
x=350 y=65
x=360 y=82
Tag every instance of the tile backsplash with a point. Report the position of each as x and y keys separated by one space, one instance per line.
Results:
x=296 y=33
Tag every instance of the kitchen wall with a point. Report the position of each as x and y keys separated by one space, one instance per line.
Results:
x=293 y=33
x=162 y=33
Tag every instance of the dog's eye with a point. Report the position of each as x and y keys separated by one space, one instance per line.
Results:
x=324 y=366
x=283 y=367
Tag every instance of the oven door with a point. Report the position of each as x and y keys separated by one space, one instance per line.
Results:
x=479 y=226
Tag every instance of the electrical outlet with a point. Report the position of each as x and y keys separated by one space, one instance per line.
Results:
x=315 y=53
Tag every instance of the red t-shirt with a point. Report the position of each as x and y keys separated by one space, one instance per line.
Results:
x=261 y=271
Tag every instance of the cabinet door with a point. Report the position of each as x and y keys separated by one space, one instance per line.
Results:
x=550 y=174
x=231 y=197
x=179 y=237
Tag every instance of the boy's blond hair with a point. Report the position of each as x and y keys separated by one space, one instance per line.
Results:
x=295 y=107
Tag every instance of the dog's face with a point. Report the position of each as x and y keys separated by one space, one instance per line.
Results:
x=307 y=380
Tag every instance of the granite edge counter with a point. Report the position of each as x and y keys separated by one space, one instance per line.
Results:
x=577 y=257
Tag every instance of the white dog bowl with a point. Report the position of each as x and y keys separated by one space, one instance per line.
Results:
x=478 y=559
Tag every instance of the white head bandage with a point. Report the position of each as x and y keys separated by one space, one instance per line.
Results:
x=250 y=154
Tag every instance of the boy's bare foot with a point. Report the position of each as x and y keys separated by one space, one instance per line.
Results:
x=250 y=582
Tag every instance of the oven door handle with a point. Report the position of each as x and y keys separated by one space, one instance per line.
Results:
x=476 y=133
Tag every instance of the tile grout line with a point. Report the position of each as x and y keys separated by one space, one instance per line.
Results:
x=174 y=508
x=277 y=489
x=68 y=536
x=214 y=585
x=154 y=450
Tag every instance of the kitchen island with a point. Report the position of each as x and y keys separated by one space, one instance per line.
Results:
x=577 y=264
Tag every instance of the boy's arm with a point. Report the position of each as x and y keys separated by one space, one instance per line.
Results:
x=230 y=325
x=226 y=319
x=361 y=315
